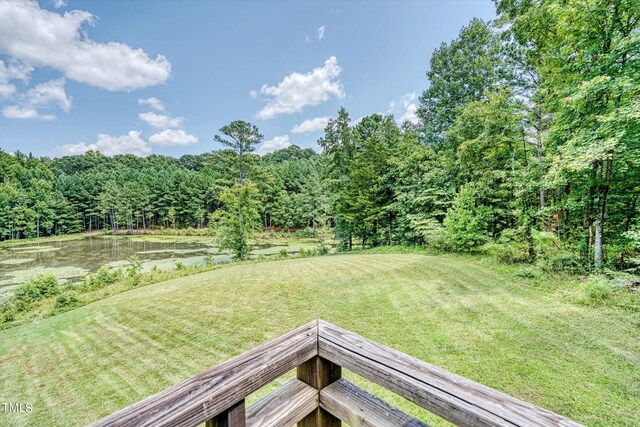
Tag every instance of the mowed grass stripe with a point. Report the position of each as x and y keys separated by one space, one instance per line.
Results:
x=455 y=312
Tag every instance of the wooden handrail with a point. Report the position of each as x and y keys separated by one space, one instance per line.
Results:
x=320 y=397
x=454 y=398
x=284 y=407
x=358 y=408
x=206 y=395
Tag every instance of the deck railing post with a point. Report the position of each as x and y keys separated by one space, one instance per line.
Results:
x=232 y=417
x=319 y=373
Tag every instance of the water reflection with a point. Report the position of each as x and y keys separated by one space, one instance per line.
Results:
x=75 y=258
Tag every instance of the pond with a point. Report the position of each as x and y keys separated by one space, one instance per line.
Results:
x=73 y=259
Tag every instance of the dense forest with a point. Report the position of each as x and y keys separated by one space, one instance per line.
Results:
x=528 y=145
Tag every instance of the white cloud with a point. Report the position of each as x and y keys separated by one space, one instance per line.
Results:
x=275 y=144
x=44 y=95
x=152 y=102
x=51 y=92
x=321 y=31
x=38 y=37
x=170 y=137
x=12 y=71
x=108 y=145
x=59 y=3
x=297 y=91
x=161 y=121
x=16 y=112
x=404 y=108
x=253 y=94
x=311 y=125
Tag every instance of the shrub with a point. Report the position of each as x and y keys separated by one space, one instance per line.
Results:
x=283 y=253
x=323 y=250
x=307 y=252
x=101 y=278
x=633 y=236
x=8 y=316
x=597 y=291
x=304 y=232
x=508 y=253
x=180 y=265
x=208 y=260
x=235 y=224
x=465 y=224
x=66 y=300
x=564 y=261
x=134 y=271
x=37 y=288
x=553 y=256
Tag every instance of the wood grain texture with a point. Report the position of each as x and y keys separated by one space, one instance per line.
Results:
x=320 y=418
x=204 y=396
x=359 y=408
x=283 y=407
x=319 y=373
x=232 y=417
x=457 y=399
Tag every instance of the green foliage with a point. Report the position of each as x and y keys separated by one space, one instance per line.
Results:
x=290 y=153
x=597 y=290
x=459 y=72
x=101 y=278
x=526 y=273
x=537 y=112
x=244 y=137
x=208 y=260
x=585 y=54
x=466 y=223
x=357 y=168
x=633 y=241
x=508 y=253
x=36 y=288
x=133 y=271
x=554 y=255
x=238 y=220
x=66 y=301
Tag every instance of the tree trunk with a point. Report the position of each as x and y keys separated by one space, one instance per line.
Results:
x=539 y=149
x=588 y=219
x=241 y=155
x=603 y=192
x=530 y=246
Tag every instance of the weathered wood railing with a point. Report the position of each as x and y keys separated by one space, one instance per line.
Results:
x=320 y=397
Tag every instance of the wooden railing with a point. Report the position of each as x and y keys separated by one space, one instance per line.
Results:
x=320 y=396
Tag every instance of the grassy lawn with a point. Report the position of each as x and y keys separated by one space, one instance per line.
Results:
x=459 y=313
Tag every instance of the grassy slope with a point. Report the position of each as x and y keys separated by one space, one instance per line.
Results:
x=454 y=312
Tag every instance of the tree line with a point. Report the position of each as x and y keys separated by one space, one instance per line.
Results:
x=528 y=142
x=42 y=197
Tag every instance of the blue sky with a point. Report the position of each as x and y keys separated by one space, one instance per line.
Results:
x=162 y=77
